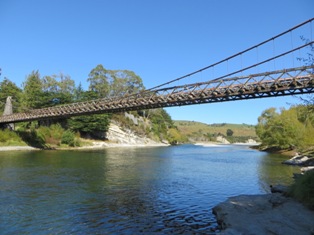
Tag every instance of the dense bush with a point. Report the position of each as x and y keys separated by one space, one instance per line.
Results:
x=175 y=137
x=292 y=128
x=51 y=135
x=303 y=189
x=9 y=136
x=68 y=138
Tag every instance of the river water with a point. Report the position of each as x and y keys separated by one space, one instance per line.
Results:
x=157 y=190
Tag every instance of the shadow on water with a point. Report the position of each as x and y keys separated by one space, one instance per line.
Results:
x=272 y=172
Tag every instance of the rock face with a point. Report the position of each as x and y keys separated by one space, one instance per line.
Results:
x=116 y=135
x=264 y=214
x=251 y=141
x=223 y=140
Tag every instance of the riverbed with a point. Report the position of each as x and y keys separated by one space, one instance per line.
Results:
x=161 y=190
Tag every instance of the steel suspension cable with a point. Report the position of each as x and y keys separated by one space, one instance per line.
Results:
x=233 y=56
x=265 y=61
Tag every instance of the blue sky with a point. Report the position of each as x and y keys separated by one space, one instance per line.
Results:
x=158 y=40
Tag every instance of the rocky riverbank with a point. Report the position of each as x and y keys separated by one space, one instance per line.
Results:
x=300 y=160
x=273 y=213
x=263 y=214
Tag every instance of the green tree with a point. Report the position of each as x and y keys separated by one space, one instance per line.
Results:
x=109 y=83
x=33 y=95
x=90 y=126
x=175 y=137
x=306 y=117
x=283 y=130
x=229 y=132
x=58 y=89
x=125 y=82
x=98 y=80
x=78 y=93
x=161 y=122
x=264 y=124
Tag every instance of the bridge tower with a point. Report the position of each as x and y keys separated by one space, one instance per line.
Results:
x=8 y=110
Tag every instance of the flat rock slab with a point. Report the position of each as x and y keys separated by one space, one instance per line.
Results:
x=264 y=214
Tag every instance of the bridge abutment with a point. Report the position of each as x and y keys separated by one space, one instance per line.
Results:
x=8 y=110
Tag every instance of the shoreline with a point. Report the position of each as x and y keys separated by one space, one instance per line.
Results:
x=105 y=144
x=17 y=148
x=96 y=145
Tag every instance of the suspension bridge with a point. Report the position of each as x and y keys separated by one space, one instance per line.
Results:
x=231 y=86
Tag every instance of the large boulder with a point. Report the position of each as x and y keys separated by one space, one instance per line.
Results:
x=300 y=160
x=264 y=214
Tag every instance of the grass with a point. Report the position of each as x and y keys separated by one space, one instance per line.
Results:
x=193 y=129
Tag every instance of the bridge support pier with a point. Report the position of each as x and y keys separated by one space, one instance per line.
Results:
x=8 y=110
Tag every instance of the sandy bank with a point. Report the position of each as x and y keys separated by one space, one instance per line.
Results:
x=95 y=145
x=264 y=214
x=16 y=148
x=104 y=144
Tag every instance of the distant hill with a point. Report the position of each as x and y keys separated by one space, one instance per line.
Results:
x=198 y=131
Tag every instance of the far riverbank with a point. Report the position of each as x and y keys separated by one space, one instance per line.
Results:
x=94 y=145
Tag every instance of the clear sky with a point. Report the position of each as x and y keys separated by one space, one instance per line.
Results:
x=158 y=40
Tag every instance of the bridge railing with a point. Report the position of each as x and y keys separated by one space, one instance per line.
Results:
x=300 y=76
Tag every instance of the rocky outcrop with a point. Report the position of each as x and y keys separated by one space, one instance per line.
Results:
x=300 y=160
x=251 y=141
x=126 y=137
x=223 y=140
x=263 y=214
x=306 y=169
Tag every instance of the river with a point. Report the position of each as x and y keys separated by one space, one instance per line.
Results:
x=152 y=190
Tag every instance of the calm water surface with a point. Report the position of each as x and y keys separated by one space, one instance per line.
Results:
x=161 y=190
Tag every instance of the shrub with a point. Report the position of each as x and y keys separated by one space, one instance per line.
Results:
x=56 y=131
x=7 y=135
x=68 y=138
x=303 y=189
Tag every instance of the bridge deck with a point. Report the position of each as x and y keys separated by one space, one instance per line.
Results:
x=276 y=83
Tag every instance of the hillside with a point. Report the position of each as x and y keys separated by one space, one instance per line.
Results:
x=197 y=131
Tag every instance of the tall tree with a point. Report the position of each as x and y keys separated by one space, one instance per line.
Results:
x=59 y=89
x=284 y=129
x=125 y=82
x=33 y=95
x=78 y=93
x=98 y=80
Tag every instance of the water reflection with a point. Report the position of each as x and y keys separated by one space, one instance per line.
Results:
x=272 y=172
